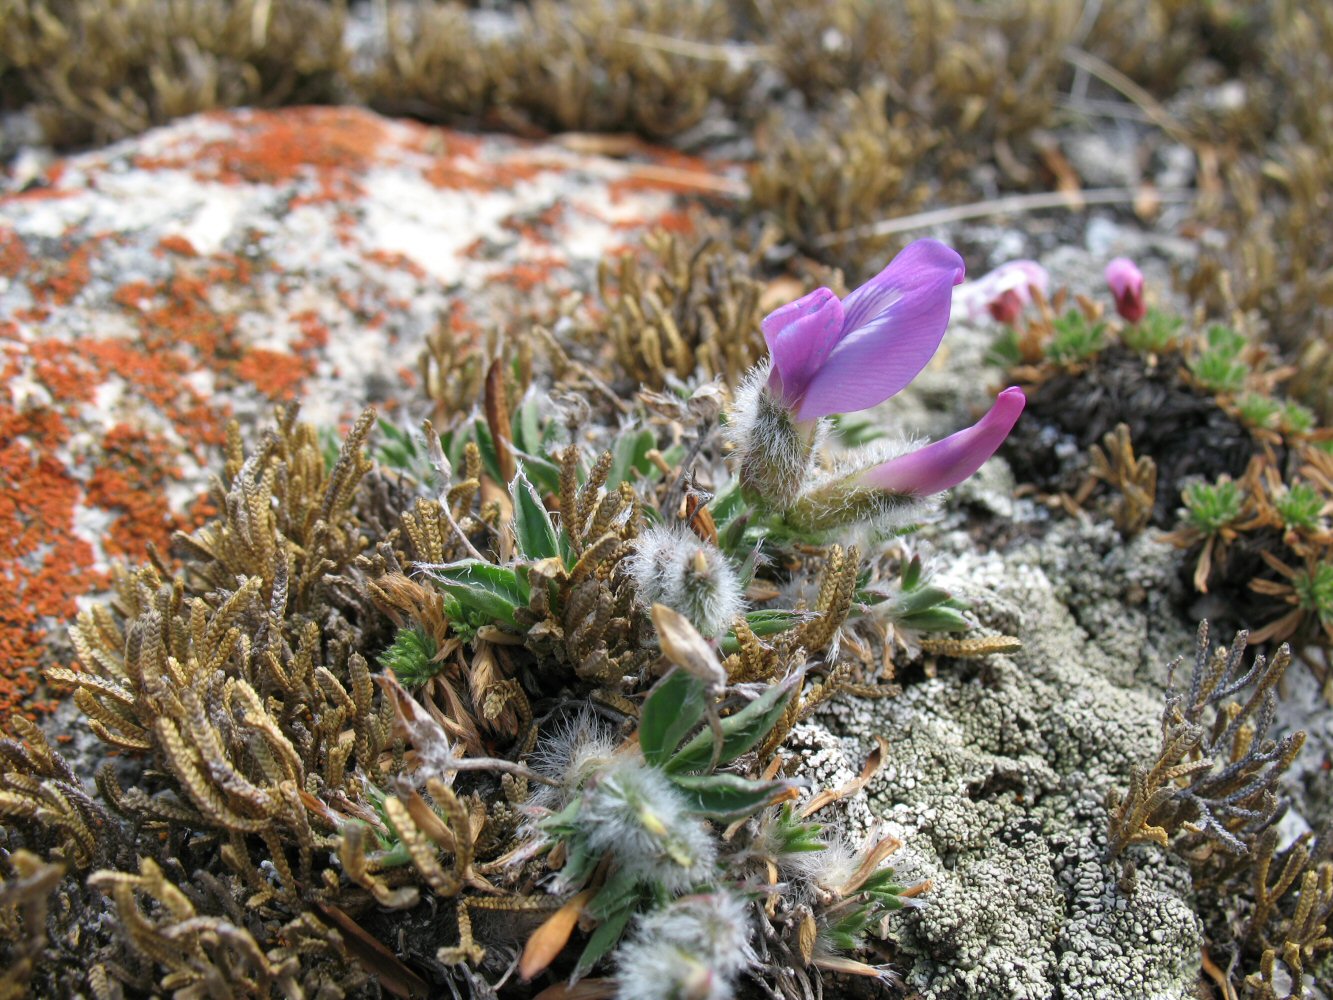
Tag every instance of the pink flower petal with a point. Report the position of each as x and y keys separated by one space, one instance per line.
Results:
x=946 y=463
x=892 y=326
x=800 y=336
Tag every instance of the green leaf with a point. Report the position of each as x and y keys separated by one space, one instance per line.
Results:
x=533 y=527
x=545 y=475
x=941 y=619
x=454 y=443
x=490 y=459
x=855 y=430
x=673 y=707
x=613 y=905
x=629 y=455
x=494 y=591
x=766 y=622
x=912 y=574
x=740 y=732
x=527 y=426
x=727 y=504
x=726 y=797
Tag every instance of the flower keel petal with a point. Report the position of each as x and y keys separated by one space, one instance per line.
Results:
x=946 y=463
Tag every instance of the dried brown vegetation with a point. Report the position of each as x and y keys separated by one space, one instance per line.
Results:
x=98 y=71
x=862 y=162
x=1133 y=477
x=587 y=66
x=1279 y=259
x=1212 y=794
x=985 y=73
x=912 y=96
x=685 y=307
x=1214 y=782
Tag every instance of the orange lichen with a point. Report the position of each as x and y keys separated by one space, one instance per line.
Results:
x=680 y=223
x=178 y=245
x=132 y=483
x=42 y=562
x=69 y=277
x=314 y=334
x=396 y=262
x=530 y=275
x=14 y=259
x=464 y=173
x=270 y=147
x=277 y=375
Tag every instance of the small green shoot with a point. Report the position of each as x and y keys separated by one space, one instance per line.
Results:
x=1258 y=410
x=1300 y=506
x=1218 y=367
x=411 y=657
x=1155 y=333
x=1314 y=591
x=1075 y=338
x=1297 y=419
x=1212 y=506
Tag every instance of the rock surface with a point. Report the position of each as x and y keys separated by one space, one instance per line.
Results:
x=998 y=776
x=154 y=289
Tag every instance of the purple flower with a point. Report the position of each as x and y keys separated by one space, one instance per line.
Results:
x=832 y=356
x=946 y=463
x=1126 y=281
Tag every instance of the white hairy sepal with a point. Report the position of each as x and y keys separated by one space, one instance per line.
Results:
x=815 y=876
x=694 y=947
x=569 y=752
x=839 y=500
x=775 y=452
x=633 y=813
x=671 y=565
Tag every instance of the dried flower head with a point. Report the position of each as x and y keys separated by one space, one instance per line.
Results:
x=695 y=947
x=633 y=813
x=675 y=567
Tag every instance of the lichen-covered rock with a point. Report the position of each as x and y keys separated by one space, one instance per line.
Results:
x=153 y=289
x=998 y=774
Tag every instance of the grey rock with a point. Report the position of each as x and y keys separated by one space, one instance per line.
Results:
x=999 y=771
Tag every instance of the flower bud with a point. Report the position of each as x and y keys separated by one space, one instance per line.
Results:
x=1126 y=283
x=1006 y=307
x=1003 y=293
